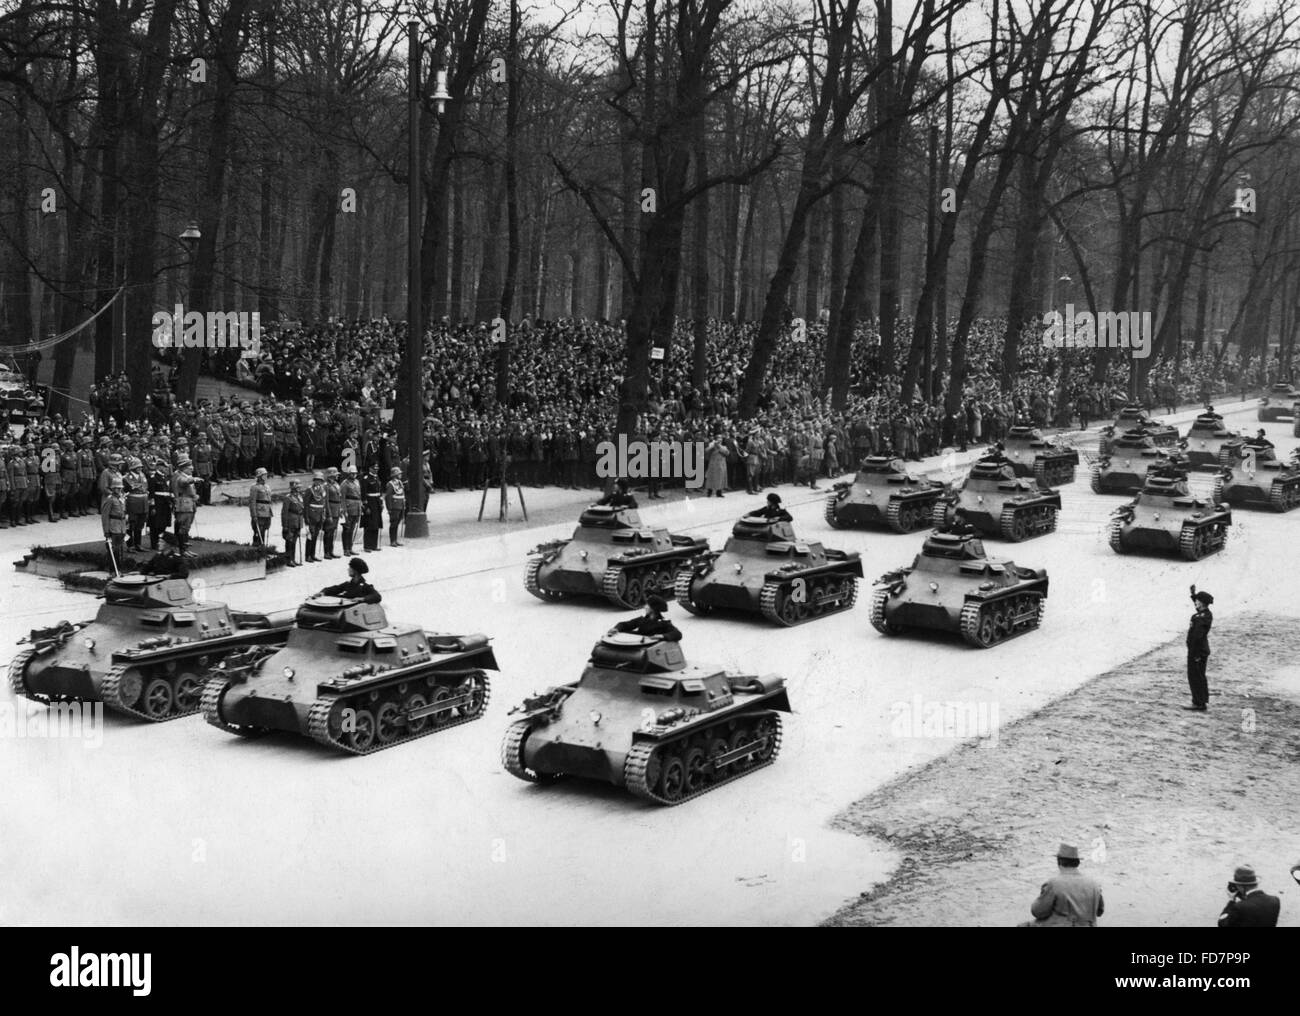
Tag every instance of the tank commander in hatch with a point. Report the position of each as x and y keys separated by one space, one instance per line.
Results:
x=620 y=498
x=356 y=587
x=772 y=511
x=167 y=561
x=652 y=622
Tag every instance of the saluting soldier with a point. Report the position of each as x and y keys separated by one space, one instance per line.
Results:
x=351 y=509
x=259 y=508
x=137 y=502
x=184 y=502
x=291 y=514
x=113 y=512
x=372 y=490
x=333 y=510
x=395 y=502
x=313 y=503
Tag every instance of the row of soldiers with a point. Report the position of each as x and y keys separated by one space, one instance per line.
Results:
x=131 y=500
x=332 y=498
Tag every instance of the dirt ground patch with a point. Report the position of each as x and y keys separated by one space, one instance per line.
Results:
x=1162 y=803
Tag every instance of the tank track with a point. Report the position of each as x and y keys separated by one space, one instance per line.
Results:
x=1283 y=495
x=970 y=619
x=1116 y=541
x=829 y=511
x=110 y=690
x=532 y=584
x=682 y=593
x=318 y=724
x=1034 y=525
x=939 y=514
x=1095 y=480
x=768 y=604
x=1216 y=495
x=879 y=598
x=894 y=510
x=1187 y=543
x=609 y=585
x=17 y=684
x=512 y=754
x=638 y=761
x=1227 y=456
x=210 y=706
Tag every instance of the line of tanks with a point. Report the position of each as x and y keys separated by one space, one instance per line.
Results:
x=640 y=716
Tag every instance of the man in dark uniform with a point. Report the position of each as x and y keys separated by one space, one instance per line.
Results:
x=1250 y=906
x=351 y=509
x=168 y=561
x=1198 y=651
x=652 y=622
x=773 y=510
x=960 y=526
x=291 y=514
x=333 y=510
x=372 y=520
x=1259 y=441
x=113 y=512
x=313 y=504
x=160 y=501
x=356 y=587
x=395 y=502
x=620 y=498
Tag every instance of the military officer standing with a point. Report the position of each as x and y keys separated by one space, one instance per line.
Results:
x=372 y=521
x=86 y=474
x=160 y=501
x=333 y=510
x=113 y=512
x=4 y=488
x=68 y=487
x=184 y=503
x=34 y=485
x=259 y=508
x=17 y=467
x=395 y=502
x=1198 y=651
x=137 y=503
x=313 y=505
x=291 y=514
x=351 y=509
x=203 y=466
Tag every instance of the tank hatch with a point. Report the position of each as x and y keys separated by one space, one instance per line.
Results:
x=602 y=516
x=333 y=613
x=756 y=527
x=148 y=591
x=956 y=546
x=641 y=654
x=882 y=464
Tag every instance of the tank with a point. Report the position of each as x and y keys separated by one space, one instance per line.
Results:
x=1032 y=455
x=642 y=718
x=1270 y=483
x=953 y=586
x=1123 y=469
x=1279 y=400
x=146 y=652
x=1210 y=444
x=1130 y=417
x=1000 y=504
x=1165 y=518
x=610 y=554
x=883 y=493
x=349 y=679
x=764 y=568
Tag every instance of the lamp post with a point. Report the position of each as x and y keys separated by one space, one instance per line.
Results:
x=417 y=523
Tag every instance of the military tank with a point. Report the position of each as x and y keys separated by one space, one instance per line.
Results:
x=1164 y=517
x=1265 y=483
x=765 y=568
x=1124 y=468
x=999 y=503
x=1130 y=417
x=350 y=680
x=883 y=493
x=611 y=554
x=1032 y=455
x=953 y=586
x=642 y=718
x=1210 y=444
x=1279 y=400
x=144 y=653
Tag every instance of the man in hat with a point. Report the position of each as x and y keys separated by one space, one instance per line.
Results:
x=1069 y=900
x=372 y=491
x=291 y=515
x=395 y=502
x=1198 y=651
x=351 y=508
x=313 y=506
x=86 y=474
x=167 y=561
x=333 y=510
x=356 y=587
x=68 y=488
x=137 y=502
x=113 y=512
x=160 y=500
x=652 y=622
x=185 y=502
x=620 y=498
x=259 y=508
x=1250 y=906
x=17 y=469
x=34 y=484
x=773 y=510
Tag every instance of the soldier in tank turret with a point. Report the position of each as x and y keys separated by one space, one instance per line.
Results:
x=652 y=622
x=620 y=498
x=772 y=511
x=356 y=587
x=167 y=561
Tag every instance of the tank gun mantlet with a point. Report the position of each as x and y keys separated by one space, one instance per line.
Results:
x=895 y=580
x=44 y=640
x=239 y=666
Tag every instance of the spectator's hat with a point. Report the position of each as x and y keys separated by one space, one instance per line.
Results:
x=135 y=464
x=114 y=458
x=1204 y=597
x=358 y=565
x=657 y=603
x=293 y=484
x=1067 y=853
x=260 y=472
x=1244 y=876
x=394 y=472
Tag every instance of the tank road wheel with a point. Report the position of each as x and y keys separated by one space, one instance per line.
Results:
x=695 y=777
x=1116 y=536
x=440 y=695
x=416 y=701
x=129 y=686
x=158 y=699
x=388 y=723
x=741 y=737
x=717 y=748
x=1002 y=620
x=362 y=735
x=682 y=592
x=188 y=691
x=1095 y=480
x=902 y=518
x=1040 y=473
x=1193 y=542
x=477 y=690
x=939 y=514
x=829 y=511
x=790 y=612
x=768 y=733
x=1013 y=525
x=672 y=778
x=623 y=587
x=977 y=626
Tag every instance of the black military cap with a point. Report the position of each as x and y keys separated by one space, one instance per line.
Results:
x=774 y=498
x=1204 y=597
x=358 y=565
x=657 y=603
